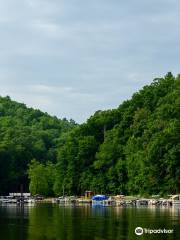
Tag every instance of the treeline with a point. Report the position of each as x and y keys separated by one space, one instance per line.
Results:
x=26 y=134
x=134 y=149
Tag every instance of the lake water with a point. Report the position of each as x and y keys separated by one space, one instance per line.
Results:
x=48 y=221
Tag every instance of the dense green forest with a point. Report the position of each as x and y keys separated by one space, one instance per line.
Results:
x=26 y=134
x=134 y=149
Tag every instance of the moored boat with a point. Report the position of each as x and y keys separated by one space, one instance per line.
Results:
x=175 y=200
x=100 y=200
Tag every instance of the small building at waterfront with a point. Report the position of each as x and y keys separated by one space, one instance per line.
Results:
x=88 y=194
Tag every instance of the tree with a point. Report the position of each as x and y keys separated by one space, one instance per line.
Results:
x=41 y=178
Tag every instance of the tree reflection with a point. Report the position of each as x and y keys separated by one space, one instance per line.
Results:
x=86 y=222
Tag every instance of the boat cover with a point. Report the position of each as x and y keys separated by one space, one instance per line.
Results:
x=99 y=197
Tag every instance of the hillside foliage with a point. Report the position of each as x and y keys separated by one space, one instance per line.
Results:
x=26 y=134
x=134 y=149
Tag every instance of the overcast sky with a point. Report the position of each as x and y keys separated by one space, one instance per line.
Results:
x=73 y=57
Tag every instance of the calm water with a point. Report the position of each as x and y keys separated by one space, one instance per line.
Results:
x=47 y=221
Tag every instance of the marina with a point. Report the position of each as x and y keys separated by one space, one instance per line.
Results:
x=120 y=200
x=104 y=200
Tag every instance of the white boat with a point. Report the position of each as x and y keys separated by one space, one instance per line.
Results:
x=175 y=200
x=60 y=200
x=142 y=202
x=8 y=199
x=29 y=200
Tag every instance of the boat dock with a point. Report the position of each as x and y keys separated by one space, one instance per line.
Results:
x=104 y=200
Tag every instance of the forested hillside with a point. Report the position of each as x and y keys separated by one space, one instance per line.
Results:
x=134 y=149
x=26 y=134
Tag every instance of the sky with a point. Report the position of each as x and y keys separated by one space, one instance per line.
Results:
x=71 y=58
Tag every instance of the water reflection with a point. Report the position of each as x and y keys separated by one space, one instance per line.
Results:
x=46 y=221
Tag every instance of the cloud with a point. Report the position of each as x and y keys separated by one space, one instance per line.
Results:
x=45 y=89
x=71 y=58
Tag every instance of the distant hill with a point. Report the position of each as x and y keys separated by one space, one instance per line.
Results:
x=26 y=134
x=134 y=149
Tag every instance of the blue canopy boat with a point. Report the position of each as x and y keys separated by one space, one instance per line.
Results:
x=100 y=198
